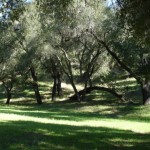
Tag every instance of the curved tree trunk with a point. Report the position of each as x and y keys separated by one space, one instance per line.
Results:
x=90 y=89
x=145 y=86
x=35 y=86
x=77 y=95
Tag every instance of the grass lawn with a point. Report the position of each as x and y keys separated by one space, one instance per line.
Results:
x=102 y=124
x=74 y=126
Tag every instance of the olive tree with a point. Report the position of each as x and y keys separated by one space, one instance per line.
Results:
x=76 y=50
x=29 y=41
x=130 y=53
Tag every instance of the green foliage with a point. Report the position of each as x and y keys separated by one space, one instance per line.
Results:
x=131 y=51
x=136 y=14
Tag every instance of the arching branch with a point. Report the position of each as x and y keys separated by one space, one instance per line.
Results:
x=90 y=89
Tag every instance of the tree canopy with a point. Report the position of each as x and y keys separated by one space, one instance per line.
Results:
x=83 y=41
x=136 y=13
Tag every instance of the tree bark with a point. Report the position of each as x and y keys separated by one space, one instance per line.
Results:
x=8 y=87
x=90 y=89
x=35 y=86
x=59 y=89
x=56 y=85
x=146 y=91
x=54 y=89
x=75 y=91
x=85 y=86
x=9 y=94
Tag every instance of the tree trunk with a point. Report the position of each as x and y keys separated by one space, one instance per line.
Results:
x=75 y=91
x=69 y=73
x=85 y=87
x=146 y=92
x=8 y=87
x=59 y=89
x=37 y=93
x=35 y=86
x=8 y=96
x=54 y=89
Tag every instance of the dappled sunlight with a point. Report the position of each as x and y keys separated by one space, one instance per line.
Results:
x=29 y=92
x=126 y=80
x=134 y=126
x=23 y=111
x=69 y=87
x=93 y=108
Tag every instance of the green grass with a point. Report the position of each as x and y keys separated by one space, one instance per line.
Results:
x=102 y=123
x=73 y=126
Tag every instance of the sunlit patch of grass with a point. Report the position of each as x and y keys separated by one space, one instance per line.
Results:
x=109 y=123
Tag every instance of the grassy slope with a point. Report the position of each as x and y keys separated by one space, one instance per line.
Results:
x=104 y=124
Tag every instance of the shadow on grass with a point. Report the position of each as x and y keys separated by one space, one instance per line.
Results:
x=94 y=110
x=39 y=136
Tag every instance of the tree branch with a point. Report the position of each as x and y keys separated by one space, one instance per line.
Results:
x=90 y=89
x=123 y=65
